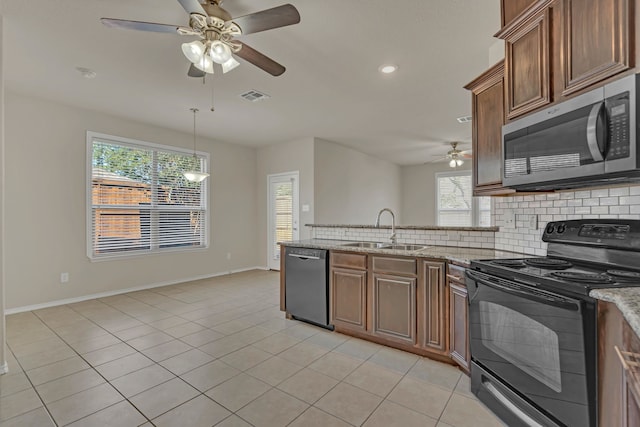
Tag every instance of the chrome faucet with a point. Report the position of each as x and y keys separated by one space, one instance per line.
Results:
x=393 y=224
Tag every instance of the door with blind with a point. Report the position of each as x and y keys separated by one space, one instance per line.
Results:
x=283 y=213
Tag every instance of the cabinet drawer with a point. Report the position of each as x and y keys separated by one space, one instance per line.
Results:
x=456 y=273
x=349 y=260
x=395 y=265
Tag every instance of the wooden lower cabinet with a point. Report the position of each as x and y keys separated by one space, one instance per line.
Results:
x=459 y=332
x=349 y=299
x=433 y=299
x=458 y=316
x=401 y=302
x=394 y=307
x=618 y=369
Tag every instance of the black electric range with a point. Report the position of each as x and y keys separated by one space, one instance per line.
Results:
x=533 y=325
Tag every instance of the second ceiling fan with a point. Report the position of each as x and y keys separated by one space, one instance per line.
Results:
x=217 y=32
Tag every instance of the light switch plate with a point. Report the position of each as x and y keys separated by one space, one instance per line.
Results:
x=533 y=222
x=510 y=218
x=305 y=208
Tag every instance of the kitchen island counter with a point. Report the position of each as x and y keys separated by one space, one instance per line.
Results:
x=445 y=253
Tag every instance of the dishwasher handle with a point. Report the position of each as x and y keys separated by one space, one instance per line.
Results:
x=304 y=256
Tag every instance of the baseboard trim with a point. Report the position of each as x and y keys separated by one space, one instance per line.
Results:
x=124 y=291
x=4 y=368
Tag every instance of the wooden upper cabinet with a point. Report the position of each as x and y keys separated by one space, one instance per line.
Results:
x=487 y=111
x=527 y=64
x=510 y=9
x=596 y=41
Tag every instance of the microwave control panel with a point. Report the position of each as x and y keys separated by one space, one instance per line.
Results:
x=618 y=112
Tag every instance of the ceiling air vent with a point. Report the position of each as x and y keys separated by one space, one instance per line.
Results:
x=464 y=119
x=253 y=95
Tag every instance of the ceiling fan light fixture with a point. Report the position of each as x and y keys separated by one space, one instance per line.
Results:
x=194 y=51
x=452 y=163
x=229 y=65
x=459 y=162
x=220 y=52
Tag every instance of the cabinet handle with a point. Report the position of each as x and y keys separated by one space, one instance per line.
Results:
x=631 y=365
x=456 y=278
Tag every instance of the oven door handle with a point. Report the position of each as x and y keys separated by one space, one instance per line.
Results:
x=557 y=301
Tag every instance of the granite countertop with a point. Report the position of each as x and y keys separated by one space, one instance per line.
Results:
x=446 y=253
x=626 y=299
x=406 y=227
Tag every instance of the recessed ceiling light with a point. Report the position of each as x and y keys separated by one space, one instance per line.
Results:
x=87 y=73
x=388 y=68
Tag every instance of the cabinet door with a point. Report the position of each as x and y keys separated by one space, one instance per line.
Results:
x=394 y=307
x=434 y=316
x=459 y=333
x=487 y=105
x=349 y=299
x=527 y=68
x=596 y=41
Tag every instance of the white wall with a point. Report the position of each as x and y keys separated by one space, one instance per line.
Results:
x=279 y=158
x=351 y=187
x=45 y=207
x=3 y=358
x=419 y=192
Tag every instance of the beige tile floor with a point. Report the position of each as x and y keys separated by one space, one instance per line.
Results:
x=216 y=352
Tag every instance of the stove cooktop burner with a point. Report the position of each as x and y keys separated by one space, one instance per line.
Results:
x=624 y=276
x=554 y=263
x=513 y=263
x=581 y=277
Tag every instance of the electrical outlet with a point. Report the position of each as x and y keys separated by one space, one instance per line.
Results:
x=533 y=222
x=64 y=277
x=228 y=255
x=510 y=218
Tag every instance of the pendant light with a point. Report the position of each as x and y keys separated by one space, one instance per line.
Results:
x=195 y=176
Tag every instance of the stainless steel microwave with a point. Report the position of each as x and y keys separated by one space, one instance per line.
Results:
x=586 y=140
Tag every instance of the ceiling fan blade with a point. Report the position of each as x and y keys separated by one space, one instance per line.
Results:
x=139 y=25
x=192 y=6
x=251 y=55
x=195 y=72
x=276 y=17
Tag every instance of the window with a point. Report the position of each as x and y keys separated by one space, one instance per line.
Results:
x=138 y=199
x=455 y=205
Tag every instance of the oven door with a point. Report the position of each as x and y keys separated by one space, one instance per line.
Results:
x=534 y=342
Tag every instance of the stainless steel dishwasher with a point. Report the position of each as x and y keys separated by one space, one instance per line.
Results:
x=307 y=285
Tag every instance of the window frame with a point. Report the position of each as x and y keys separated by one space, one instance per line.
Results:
x=145 y=145
x=475 y=201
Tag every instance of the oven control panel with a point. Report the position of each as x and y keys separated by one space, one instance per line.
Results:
x=611 y=233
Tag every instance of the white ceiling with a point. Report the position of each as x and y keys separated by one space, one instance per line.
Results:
x=332 y=88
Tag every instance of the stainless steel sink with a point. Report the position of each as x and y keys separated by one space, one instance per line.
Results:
x=406 y=247
x=370 y=245
x=379 y=245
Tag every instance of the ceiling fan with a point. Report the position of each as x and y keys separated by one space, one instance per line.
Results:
x=455 y=156
x=217 y=31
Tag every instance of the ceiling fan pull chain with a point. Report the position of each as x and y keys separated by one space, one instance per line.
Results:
x=212 y=109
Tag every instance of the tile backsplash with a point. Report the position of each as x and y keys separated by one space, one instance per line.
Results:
x=617 y=202
x=458 y=238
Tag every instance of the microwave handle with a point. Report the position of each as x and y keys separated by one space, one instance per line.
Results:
x=592 y=136
x=557 y=301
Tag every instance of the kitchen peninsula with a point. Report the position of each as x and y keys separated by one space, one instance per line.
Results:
x=410 y=295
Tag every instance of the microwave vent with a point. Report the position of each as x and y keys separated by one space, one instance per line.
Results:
x=515 y=167
x=550 y=163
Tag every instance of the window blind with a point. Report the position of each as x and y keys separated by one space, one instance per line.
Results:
x=140 y=201
x=455 y=204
